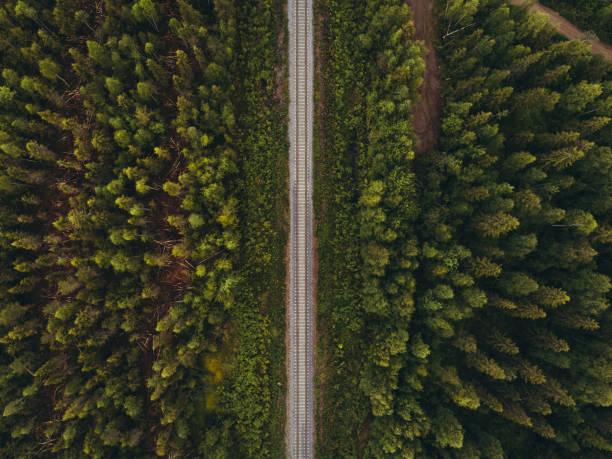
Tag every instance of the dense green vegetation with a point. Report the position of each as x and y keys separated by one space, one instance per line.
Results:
x=141 y=278
x=514 y=280
x=463 y=296
x=366 y=198
x=255 y=393
x=482 y=328
x=590 y=15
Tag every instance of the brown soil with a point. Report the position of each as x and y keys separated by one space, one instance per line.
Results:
x=568 y=29
x=364 y=433
x=426 y=113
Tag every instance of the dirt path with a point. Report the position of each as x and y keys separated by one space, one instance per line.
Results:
x=568 y=29
x=426 y=114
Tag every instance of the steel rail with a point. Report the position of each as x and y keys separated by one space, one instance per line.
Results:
x=300 y=416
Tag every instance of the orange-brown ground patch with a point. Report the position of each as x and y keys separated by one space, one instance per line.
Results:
x=426 y=113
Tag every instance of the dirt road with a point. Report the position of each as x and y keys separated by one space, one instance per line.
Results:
x=426 y=114
x=568 y=29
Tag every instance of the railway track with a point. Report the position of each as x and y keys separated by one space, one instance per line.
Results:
x=300 y=415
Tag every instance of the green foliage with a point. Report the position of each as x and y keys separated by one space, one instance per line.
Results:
x=254 y=392
x=522 y=192
x=49 y=68
x=468 y=332
x=366 y=193
x=126 y=256
x=590 y=15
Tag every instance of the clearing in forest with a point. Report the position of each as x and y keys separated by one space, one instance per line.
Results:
x=426 y=114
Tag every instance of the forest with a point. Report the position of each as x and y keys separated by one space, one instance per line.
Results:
x=140 y=316
x=372 y=72
x=591 y=15
x=464 y=294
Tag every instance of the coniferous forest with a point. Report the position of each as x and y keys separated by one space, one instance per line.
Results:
x=140 y=313
x=463 y=294
x=591 y=15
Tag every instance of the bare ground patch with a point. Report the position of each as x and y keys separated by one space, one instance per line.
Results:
x=426 y=113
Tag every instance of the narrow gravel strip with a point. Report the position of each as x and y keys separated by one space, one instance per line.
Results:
x=300 y=415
